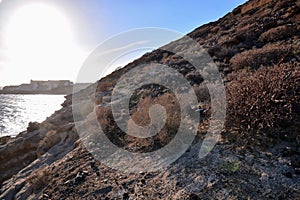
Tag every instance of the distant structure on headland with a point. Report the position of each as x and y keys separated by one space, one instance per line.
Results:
x=42 y=87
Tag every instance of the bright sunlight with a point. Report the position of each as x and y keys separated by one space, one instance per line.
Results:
x=40 y=44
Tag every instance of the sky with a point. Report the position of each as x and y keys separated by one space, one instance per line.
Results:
x=51 y=39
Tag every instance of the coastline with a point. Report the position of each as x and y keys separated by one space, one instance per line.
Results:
x=35 y=92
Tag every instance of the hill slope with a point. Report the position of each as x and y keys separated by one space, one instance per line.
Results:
x=257 y=49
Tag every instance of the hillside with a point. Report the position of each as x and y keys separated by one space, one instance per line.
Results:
x=257 y=50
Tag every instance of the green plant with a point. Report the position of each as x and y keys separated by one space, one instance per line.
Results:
x=231 y=166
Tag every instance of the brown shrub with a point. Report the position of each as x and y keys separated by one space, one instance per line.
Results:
x=39 y=179
x=202 y=93
x=267 y=99
x=51 y=138
x=265 y=56
x=254 y=4
x=278 y=33
x=104 y=117
x=104 y=86
x=141 y=117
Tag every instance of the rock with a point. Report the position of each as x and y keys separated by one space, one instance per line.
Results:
x=288 y=174
x=297 y=171
x=32 y=126
x=105 y=181
x=79 y=178
x=4 y=139
x=288 y=151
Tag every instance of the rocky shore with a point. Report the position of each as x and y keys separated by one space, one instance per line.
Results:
x=257 y=49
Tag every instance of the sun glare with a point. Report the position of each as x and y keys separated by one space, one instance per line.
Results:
x=39 y=40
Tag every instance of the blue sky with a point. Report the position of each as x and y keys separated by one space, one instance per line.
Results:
x=101 y=19
x=35 y=34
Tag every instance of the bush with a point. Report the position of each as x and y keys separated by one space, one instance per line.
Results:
x=140 y=116
x=202 y=93
x=267 y=99
x=278 y=33
x=254 y=58
x=39 y=179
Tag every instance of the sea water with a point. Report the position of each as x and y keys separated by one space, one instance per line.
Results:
x=16 y=111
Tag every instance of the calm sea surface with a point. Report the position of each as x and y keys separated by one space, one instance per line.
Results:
x=16 y=111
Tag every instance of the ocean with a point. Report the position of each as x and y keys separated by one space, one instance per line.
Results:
x=16 y=111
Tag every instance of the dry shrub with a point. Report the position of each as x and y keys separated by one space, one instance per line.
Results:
x=267 y=99
x=139 y=110
x=244 y=27
x=106 y=120
x=51 y=138
x=278 y=33
x=202 y=93
x=105 y=86
x=265 y=56
x=104 y=117
x=39 y=179
x=254 y=4
x=141 y=118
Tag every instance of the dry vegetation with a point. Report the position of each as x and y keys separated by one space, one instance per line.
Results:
x=278 y=33
x=39 y=179
x=51 y=138
x=141 y=118
x=140 y=115
x=255 y=58
x=267 y=100
x=254 y=4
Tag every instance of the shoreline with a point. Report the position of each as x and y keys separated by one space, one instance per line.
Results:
x=35 y=93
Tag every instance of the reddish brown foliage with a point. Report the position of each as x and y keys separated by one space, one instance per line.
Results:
x=278 y=33
x=254 y=58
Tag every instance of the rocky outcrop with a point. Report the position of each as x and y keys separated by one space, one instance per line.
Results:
x=256 y=47
x=50 y=140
